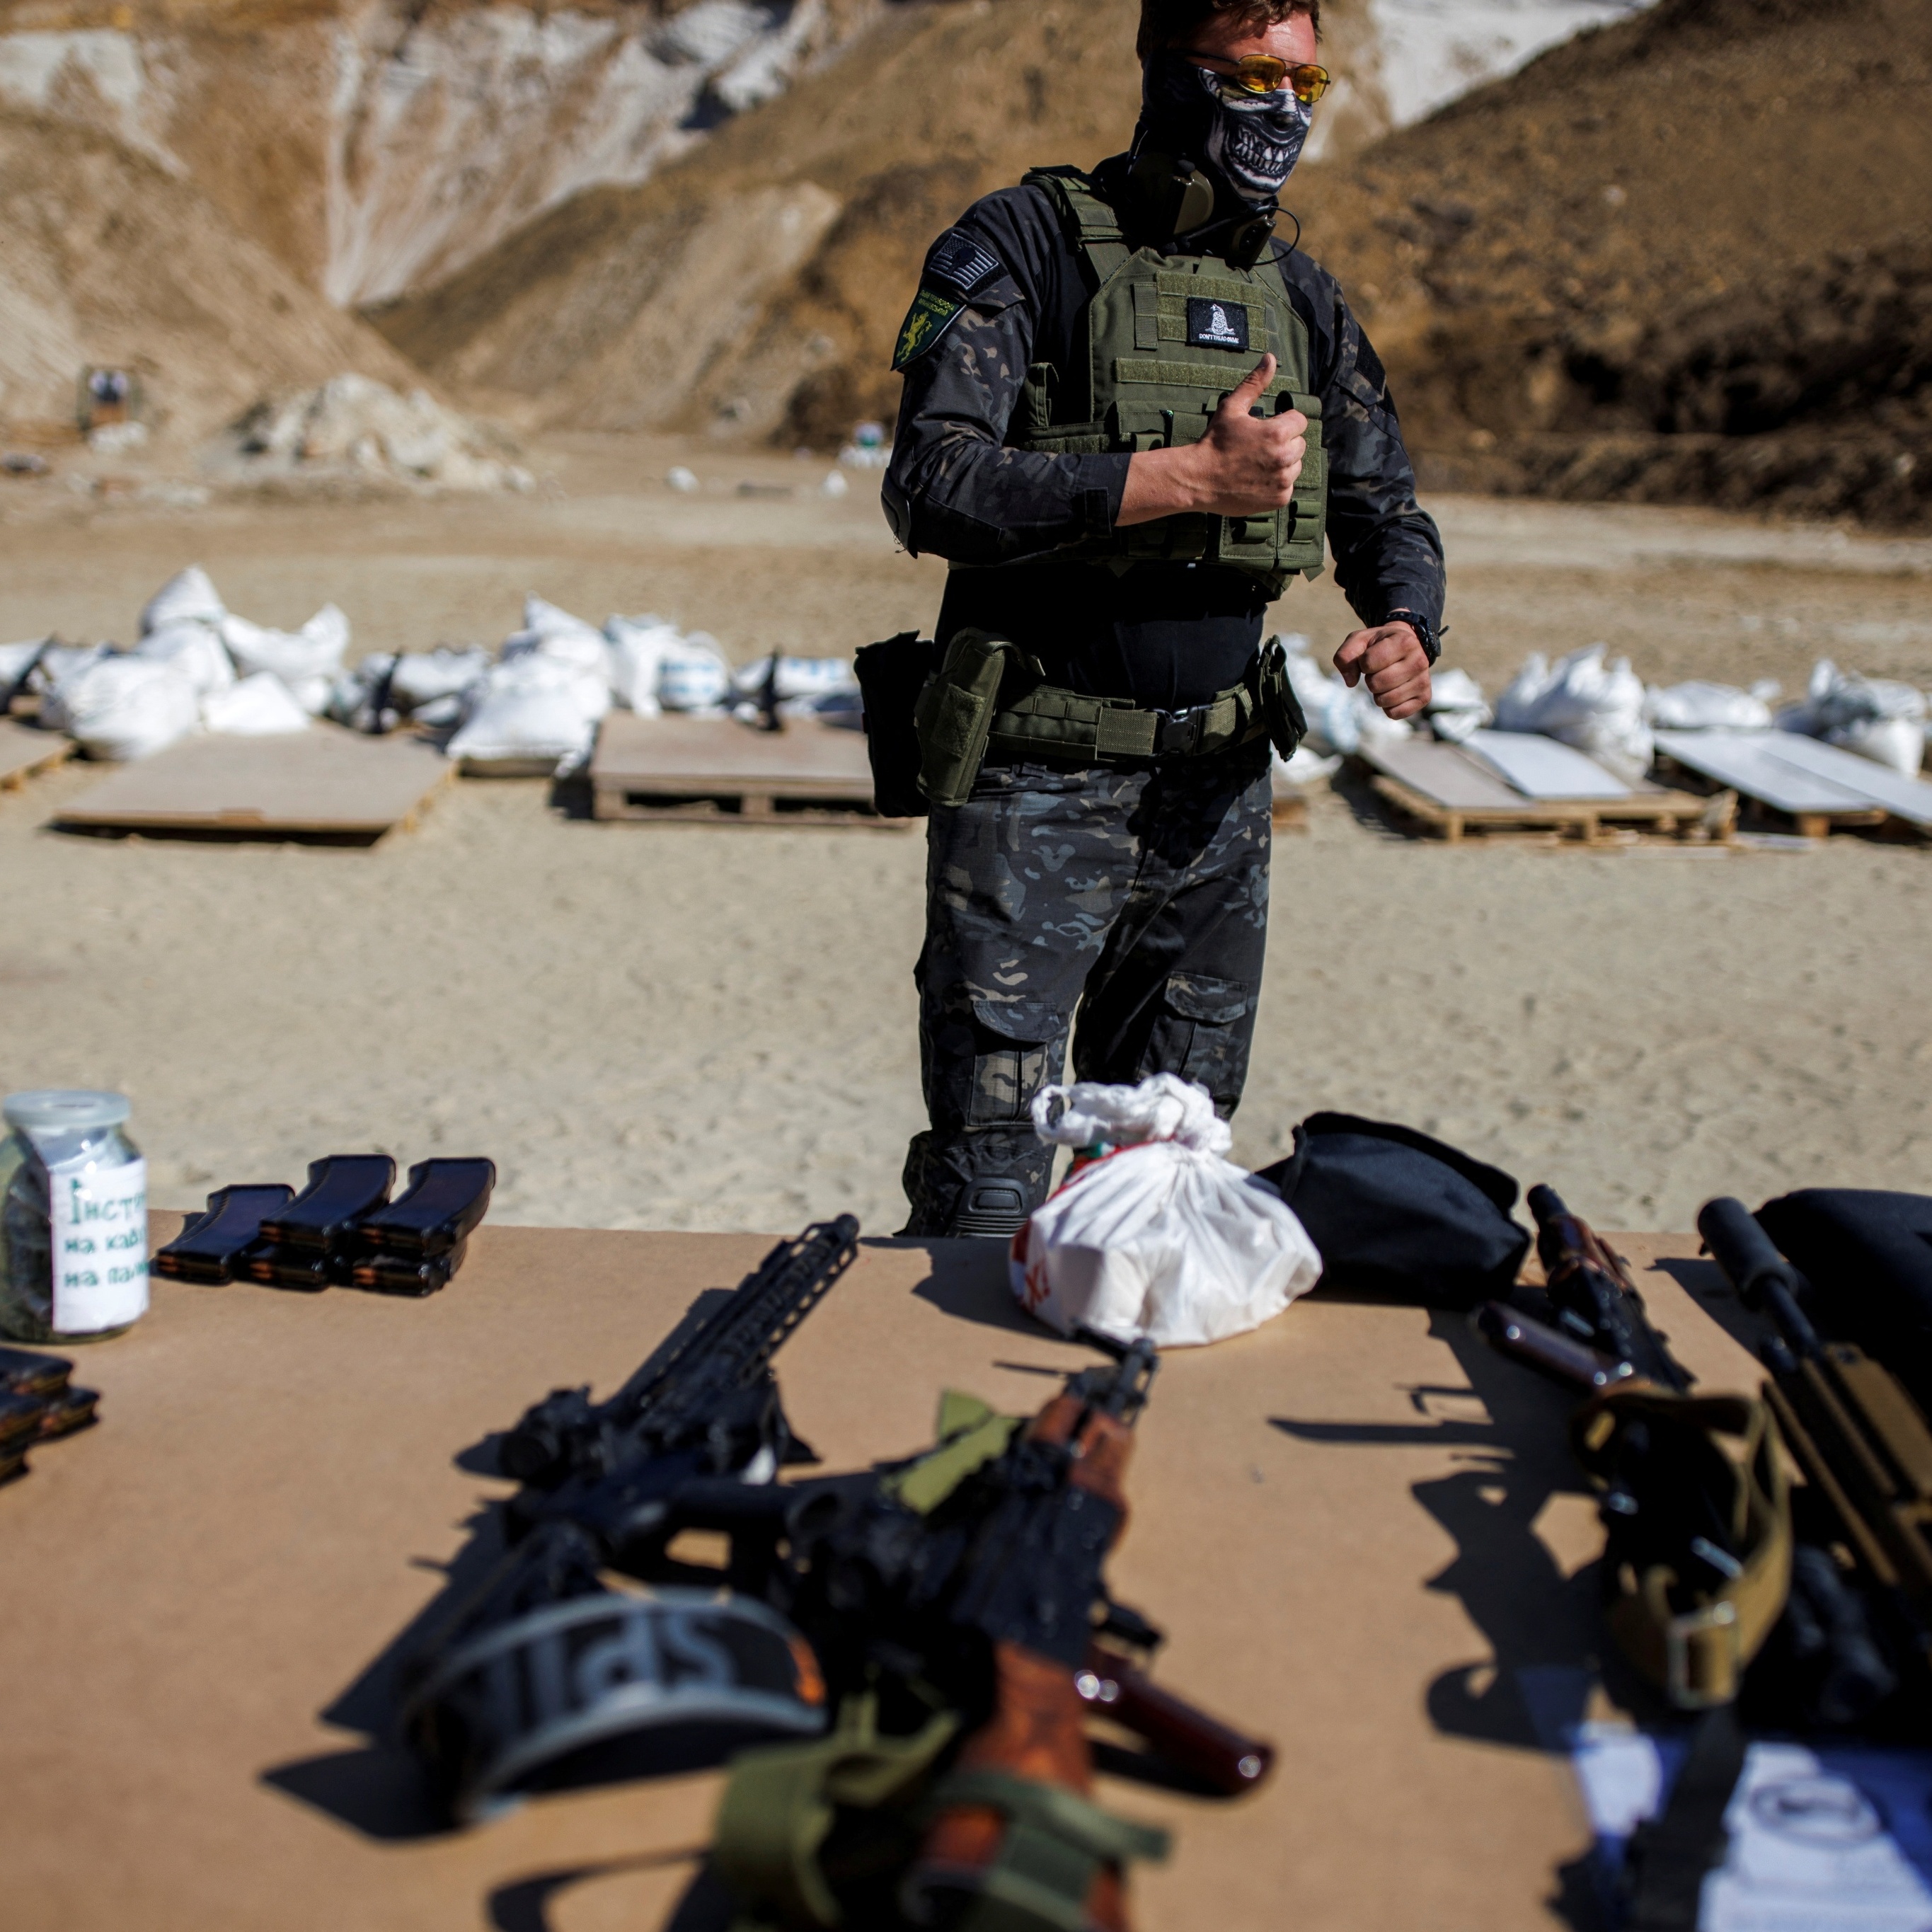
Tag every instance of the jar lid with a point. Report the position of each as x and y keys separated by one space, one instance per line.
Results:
x=63 y=1110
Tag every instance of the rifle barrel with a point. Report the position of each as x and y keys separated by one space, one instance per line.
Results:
x=1761 y=1276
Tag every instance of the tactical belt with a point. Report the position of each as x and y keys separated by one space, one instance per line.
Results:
x=983 y=703
x=1049 y=722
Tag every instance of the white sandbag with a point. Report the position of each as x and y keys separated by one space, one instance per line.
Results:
x=637 y=647
x=424 y=677
x=1456 y=709
x=59 y=662
x=260 y=706
x=1583 y=702
x=195 y=650
x=189 y=597
x=17 y=660
x=797 y=677
x=1162 y=1237
x=360 y=698
x=1700 y=707
x=121 y=707
x=551 y=632
x=694 y=674
x=531 y=706
x=308 y=661
x=1876 y=717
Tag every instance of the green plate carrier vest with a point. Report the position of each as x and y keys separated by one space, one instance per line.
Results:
x=1146 y=386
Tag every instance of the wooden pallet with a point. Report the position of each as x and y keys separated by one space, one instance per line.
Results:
x=1817 y=788
x=1442 y=787
x=25 y=753
x=322 y=783
x=715 y=771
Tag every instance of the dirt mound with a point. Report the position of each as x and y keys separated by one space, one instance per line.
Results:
x=106 y=258
x=755 y=287
x=1685 y=258
x=1673 y=257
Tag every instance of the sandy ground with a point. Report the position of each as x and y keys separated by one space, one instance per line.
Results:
x=697 y=1027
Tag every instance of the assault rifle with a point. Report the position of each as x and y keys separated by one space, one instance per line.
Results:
x=543 y=1674
x=966 y=1585
x=1035 y=1528
x=1711 y=1529
x=1859 y=1437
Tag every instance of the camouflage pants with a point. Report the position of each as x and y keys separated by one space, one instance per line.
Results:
x=1139 y=897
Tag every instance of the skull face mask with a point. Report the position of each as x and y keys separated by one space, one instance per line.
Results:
x=1252 y=141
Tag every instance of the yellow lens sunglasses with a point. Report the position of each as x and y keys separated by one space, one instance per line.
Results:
x=1263 y=73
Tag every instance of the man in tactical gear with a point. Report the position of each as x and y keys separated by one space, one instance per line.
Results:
x=1131 y=415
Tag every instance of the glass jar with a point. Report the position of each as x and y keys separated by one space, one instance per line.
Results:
x=73 y=1219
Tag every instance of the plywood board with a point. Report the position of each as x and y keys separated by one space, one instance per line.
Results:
x=1540 y=768
x=654 y=767
x=1362 y=1530
x=1443 y=774
x=1907 y=798
x=1751 y=762
x=321 y=781
x=25 y=753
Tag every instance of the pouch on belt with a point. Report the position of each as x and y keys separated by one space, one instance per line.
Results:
x=891 y=676
x=954 y=713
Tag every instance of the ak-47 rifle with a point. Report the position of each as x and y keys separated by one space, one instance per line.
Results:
x=545 y=1674
x=967 y=1586
x=1859 y=1437
x=1040 y=1519
x=1701 y=1561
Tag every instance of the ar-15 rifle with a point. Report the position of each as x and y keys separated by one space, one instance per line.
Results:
x=544 y=1674
x=1859 y=1437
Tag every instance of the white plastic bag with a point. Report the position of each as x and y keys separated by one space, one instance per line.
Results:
x=189 y=597
x=1162 y=1237
x=533 y=706
x=1582 y=701
x=1700 y=707
x=1874 y=717
x=123 y=707
x=195 y=650
x=260 y=706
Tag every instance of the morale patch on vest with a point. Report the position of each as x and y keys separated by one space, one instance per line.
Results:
x=957 y=261
x=932 y=313
x=1216 y=325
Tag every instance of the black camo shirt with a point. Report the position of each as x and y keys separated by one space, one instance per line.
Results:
x=1166 y=634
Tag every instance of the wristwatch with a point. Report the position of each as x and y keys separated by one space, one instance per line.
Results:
x=1431 y=643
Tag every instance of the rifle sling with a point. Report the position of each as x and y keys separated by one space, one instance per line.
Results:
x=1670 y=1856
x=1697 y=1656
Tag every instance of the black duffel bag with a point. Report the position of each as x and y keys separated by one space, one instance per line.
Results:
x=1394 y=1213
x=1868 y=1258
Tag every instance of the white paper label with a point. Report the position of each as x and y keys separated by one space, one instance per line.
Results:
x=100 y=1241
